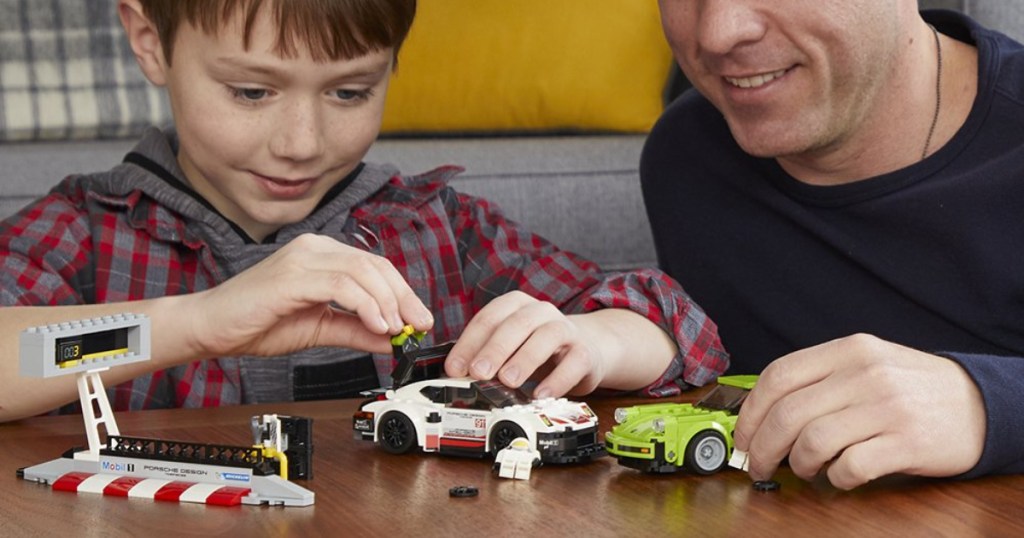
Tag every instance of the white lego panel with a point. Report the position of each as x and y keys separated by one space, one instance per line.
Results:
x=38 y=345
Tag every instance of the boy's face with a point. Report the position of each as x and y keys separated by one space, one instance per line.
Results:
x=263 y=138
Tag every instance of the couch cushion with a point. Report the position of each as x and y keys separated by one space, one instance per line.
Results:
x=580 y=192
x=1007 y=16
x=67 y=72
x=530 y=65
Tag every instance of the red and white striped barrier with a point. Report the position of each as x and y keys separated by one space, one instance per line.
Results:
x=150 y=488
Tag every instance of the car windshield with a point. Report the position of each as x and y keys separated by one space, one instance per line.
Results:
x=724 y=398
x=499 y=395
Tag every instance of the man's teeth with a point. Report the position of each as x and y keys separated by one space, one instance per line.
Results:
x=756 y=80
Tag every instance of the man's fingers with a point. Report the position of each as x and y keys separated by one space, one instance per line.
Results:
x=868 y=460
x=791 y=373
x=826 y=437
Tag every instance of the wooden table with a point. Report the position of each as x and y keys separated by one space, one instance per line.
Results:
x=362 y=491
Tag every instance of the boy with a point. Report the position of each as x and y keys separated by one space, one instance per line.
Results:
x=271 y=259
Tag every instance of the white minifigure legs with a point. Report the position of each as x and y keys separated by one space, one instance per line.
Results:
x=739 y=460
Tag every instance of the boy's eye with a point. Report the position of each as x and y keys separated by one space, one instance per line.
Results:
x=351 y=95
x=249 y=94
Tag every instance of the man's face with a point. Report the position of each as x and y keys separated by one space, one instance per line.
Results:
x=263 y=138
x=792 y=78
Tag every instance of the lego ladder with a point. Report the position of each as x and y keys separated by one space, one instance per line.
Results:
x=88 y=395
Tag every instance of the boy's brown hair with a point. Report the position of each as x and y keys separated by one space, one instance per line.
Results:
x=330 y=29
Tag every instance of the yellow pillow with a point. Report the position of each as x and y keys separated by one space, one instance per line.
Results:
x=530 y=65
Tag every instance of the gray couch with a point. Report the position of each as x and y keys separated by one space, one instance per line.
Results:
x=582 y=192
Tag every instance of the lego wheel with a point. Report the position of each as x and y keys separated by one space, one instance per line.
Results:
x=706 y=452
x=502 y=435
x=397 y=434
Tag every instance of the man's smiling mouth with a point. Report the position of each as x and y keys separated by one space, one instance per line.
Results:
x=755 y=81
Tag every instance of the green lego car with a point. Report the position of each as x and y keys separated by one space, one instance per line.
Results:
x=664 y=437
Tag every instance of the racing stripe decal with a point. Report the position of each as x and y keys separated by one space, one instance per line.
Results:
x=121 y=486
x=70 y=481
x=151 y=488
x=448 y=442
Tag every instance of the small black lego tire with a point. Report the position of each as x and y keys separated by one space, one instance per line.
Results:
x=767 y=485
x=463 y=491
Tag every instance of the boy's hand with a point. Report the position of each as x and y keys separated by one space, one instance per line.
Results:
x=861 y=408
x=517 y=337
x=313 y=292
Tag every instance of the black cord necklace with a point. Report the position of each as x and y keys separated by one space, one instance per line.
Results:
x=938 y=92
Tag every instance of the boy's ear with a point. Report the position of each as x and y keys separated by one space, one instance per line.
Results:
x=144 y=40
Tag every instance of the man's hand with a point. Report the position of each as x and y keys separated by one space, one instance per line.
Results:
x=862 y=408
x=313 y=292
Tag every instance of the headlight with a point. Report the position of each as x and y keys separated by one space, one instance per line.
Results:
x=658 y=425
x=620 y=415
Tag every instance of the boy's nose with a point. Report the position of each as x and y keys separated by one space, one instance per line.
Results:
x=298 y=132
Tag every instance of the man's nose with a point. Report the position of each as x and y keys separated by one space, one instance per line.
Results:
x=726 y=24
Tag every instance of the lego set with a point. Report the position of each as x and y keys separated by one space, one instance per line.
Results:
x=157 y=469
x=422 y=410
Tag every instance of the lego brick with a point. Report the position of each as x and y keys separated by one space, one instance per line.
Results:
x=84 y=345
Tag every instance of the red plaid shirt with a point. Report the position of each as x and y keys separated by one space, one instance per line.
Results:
x=126 y=235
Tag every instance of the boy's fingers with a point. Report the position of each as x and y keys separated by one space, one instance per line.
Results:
x=508 y=338
x=567 y=376
x=540 y=346
x=327 y=287
x=479 y=331
x=349 y=331
x=345 y=266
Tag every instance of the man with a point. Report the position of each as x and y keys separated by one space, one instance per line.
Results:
x=842 y=193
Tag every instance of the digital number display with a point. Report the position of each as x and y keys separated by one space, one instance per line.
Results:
x=69 y=349
x=90 y=346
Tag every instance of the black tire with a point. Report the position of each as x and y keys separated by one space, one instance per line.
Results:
x=396 y=434
x=502 y=435
x=706 y=453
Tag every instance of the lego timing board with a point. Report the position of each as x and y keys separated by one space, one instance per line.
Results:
x=80 y=346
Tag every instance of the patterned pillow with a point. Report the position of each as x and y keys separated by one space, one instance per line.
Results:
x=67 y=72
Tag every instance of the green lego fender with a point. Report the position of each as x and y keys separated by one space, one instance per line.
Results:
x=675 y=452
x=745 y=381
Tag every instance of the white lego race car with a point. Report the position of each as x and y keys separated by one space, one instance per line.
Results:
x=465 y=417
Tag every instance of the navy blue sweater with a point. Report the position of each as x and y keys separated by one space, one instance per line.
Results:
x=930 y=256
